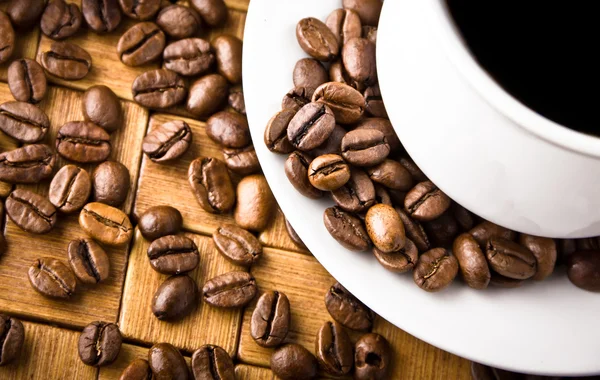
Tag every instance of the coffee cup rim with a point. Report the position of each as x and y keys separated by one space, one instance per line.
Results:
x=441 y=22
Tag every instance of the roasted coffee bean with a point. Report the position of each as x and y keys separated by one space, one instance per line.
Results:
x=471 y=261
x=83 y=141
x=391 y=174
x=463 y=217
x=7 y=38
x=30 y=211
x=297 y=171
x=167 y=141
x=175 y=298
x=166 y=362
x=583 y=268
x=510 y=259
x=587 y=244
x=189 y=57
x=337 y=73
x=29 y=164
x=52 y=278
x=99 y=343
x=333 y=144
x=399 y=261
x=237 y=245
x=347 y=229
x=70 y=189
x=158 y=89
x=61 y=20
x=23 y=121
x=26 y=80
x=102 y=16
x=111 y=183
x=485 y=230
x=344 y=24
x=292 y=362
x=333 y=349
x=207 y=95
x=347 y=309
x=242 y=161
x=211 y=362
x=382 y=195
x=311 y=126
x=293 y=235
x=12 y=336
x=228 y=52
x=236 y=101
x=140 y=9
x=316 y=39
x=357 y=195
x=414 y=170
x=25 y=13
x=229 y=129
x=565 y=247
x=358 y=56
x=442 y=231
x=347 y=104
x=396 y=196
x=544 y=250
x=213 y=12
x=414 y=231
x=106 y=224
x=297 y=98
x=141 y=44
x=435 y=270
x=173 y=254
x=328 y=172
x=309 y=72
x=504 y=282
x=370 y=33
x=385 y=126
x=365 y=147
x=88 y=261
x=101 y=106
x=276 y=138
x=426 y=202
x=159 y=221
x=256 y=204
x=139 y=369
x=67 y=61
x=179 y=21
x=374 y=102
x=230 y=290
x=372 y=357
x=368 y=10
x=270 y=319
x=385 y=228
x=211 y=184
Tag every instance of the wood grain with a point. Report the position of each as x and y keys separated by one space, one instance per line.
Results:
x=276 y=235
x=6 y=142
x=248 y=372
x=26 y=43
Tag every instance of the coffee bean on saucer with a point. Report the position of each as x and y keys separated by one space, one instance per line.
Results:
x=228 y=52
x=382 y=195
x=52 y=278
x=139 y=369
x=347 y=309
x=464 y=217
x=230 y=290
x=544 y=250
x=102 y=16
x=328 y=172
x=140 y=10
x=414 y=231
x=167 y=362
x=67 y=61
x=141 y=44
x=385 y=228
x=309 y=72
x=297 y=171
x=31 y=212
x=255 y=203
x=347 y=229
x=159 y=221
x=333 y=349
x=101 y=106
x=237 y=245
x=372 y=356
x=486 y=230
x=23 y=121
x=7 y=37
x=400 y=261
x=229 y=129
x=297 y=98
x=583 y=268
x=435 y=270
x=83 y=141
x=370 y=33
x=276 y=138
x=316 y=39
x=27 y=80
x=311 y=126
x=88 y=261
x=12 y=336
x=29 y=164
x=347 y=104
x=338 y=74
x=365 y=147
x=442 y=230
x=168 y=141
x=158 y=88
x=236 y=100
x=391 y=174
x=357 y=195
x=213 y=12
x=345 y=25
x=207 y=95
x=70 y=189
x=270 y=320
x=242 y=161
x=189 y=57
x=179 y=21
x=510 y=259
x=175 y=298
x=61 y=20
x=358 y=56
x=374 y=102
x=333 y=144
x=426 y=202
x=106 y=224
x=173 y=254
x=111 y=183
x=25 y=13
x=471 y=261
x=588 y=244
x=212 y=362
x=385 y=126
x=368 y=10
x=211 y=184
x=99 y=344
x=293 y=361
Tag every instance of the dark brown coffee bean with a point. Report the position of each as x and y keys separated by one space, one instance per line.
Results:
x=70 y=189
x=311 y=126
x=99 y=343
x=213 y=12
x=276 y=138
x=236 y=100
x=111 y=183
x=328 y=172
x=374 y=102
x=270 y=321
x=510 y=259
x=400 y=261
x=347 y=229
x=333 y=144
x=88 y=261
x=61 y=20
x=357 y=195
x=211 y=184
x=442 y=231
x=140 y=9
x=485 y=230
x=30 y=211
x=141 y=44
x=333 y=349
x=426 y=202
x=583 y=268
x=372 y=357
x=229 y=129
x=139 y=369
x=159 y=221
x=179 y=21
x=168 y=141
x=207 y=95
x=237 y=245
x=365 y=147
x=344 y=24
x=391 y=174
x=175 y=298
x=565 y=247
x=167 y=362
x=309 y=72
x=173 y=254
x=544 y=250
x=7 y=38
x=384 y=126
x=106 y=224
x=316 y=39
x=66 y=61
x=211 y=362
x=228 y=52
x=12 y=336
x=435 y=270
x=158 y=89
x=293 y=361
x=25 y=13
x=256 y=204
x=29 y=164
x=296 y=169
x=414 y=170
x=463 y=217
x=587 y=244
x=27 y=81
x=83 y=141
x=52 y=278
x=368 y=10
x=189 y=57
x=414 y=231
x=297 y=98
x=102 y=16
x=382 y=195
x=347 y=104
x=385 y=228
x=471 y=260
x=347 y=309
x=370 y=33
x=101 y=106
x=242 y=161
x=358 y=56
x=23 y=121
x=230 y=290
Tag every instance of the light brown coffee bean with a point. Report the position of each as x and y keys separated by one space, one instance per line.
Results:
x=52 y=278
x=344 y=24
x=544 y=250
x=316 y=39
x=400 y=261
x=510 y=259
x=472 y=262
x=230 y=290
x=297 y=171
x=426 y=202
x=365 y=147
x=385 y=228
x=237 y=245
x=106 y=224
x=70 y=189
x=435 y=270
x=347 y=104
x=211 y=184
x=328 y=172
x=228 y=53
x=255 y=203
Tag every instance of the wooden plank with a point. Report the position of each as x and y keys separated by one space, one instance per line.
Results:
x=26 y=43
x=48 y=353
x=205 y=325
x=6 y=142
x=276 y=235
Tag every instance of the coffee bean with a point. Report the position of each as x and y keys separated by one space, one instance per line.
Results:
x=140 y=9
x=344 y=24
x=357 y=195
x=158 y=89
x=297 y=98
x=365 y=147
x=435 y=270
x=296 y=169
x=391 y=174
x=270 y=321
x=102 y=16
x=12 y=336
x=229 y=129
x=333 y=349
x=236 y=100
x=230 y=290
x=347 y=104
x=99 y=343
x=175 y=298
x=370 y=33
x=189 y=57
x=242 y=161
x=52 y=278
x=583 y=268
x=358 y=56
x=426 y=202
x=333 y=144
x=382 y=195
x=544 y=250
x=179 y=21
x=374 y=102
x=414 y=231
x=510 y=259
x=141 y=44
x=293 y=235
x=255 y=204
x=173 y=254
x=587 y=244
x=88 y=261
x=29 y=164
x=211 y=362
x=61 y=20
x=309 y=72
x=338 y=74
x=213 y=12
x=311 y=126
x=485 y=230
x=368 y=10
x=385 y=228
x=159 y=221
x=207 y=95
x=139 y=369
x=237 y=245
x=293 y=361
x=228 y=53
x=504 y=282
x=83 y=141
x=392 y=139
x=473 y=265
x=27 y=81
x=316 y=39
x=276 y=138
x=347 y=309
x=105 y=224
x=30 y=211
x=101 y=106
x=328 y=172
x=23 y=121
x=166 y=362
x=7 y=38
x=347 y=229
x=25 y=13
x=565 y=247
x=211 y=184
x=70 y=189
x=442 y=230
x=372 y=357
x=463 y=217
x=399 y=261
x=168 y=141
x=111 y=183
x=67 y=61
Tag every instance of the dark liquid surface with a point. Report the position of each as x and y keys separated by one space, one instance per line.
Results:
x=544 y=53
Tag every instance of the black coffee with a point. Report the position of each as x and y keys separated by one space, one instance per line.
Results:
x=542 y=52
